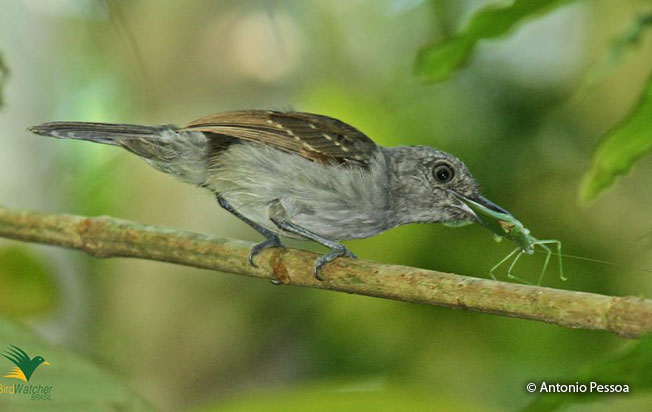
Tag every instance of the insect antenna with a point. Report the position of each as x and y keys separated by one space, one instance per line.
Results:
x=604 y=262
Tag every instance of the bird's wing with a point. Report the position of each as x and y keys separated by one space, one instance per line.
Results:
x=16 y=355
x=17 y=373
x=318 y=138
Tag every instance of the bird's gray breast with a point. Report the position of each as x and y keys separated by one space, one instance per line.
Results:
x=333 y=201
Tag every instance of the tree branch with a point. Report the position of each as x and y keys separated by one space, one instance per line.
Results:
x=107 y=237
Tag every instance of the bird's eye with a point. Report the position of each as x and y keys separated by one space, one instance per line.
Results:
x=443 y=172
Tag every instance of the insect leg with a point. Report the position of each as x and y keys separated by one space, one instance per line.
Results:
x=561 y=267
x=509 y=270
x=505 y=259
x=559 y=260
x=545 y=263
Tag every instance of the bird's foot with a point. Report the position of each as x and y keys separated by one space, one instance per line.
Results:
x=329 y=257
x=271 y=241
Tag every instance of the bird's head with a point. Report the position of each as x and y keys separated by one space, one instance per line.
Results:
x=429 y=185
x=39 y=360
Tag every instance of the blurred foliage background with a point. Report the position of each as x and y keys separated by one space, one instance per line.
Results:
x=523 y=94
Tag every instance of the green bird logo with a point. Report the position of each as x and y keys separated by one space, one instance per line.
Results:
x=25 y=366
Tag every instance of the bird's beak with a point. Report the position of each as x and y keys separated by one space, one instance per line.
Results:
x=483 y=210
x=46 y=363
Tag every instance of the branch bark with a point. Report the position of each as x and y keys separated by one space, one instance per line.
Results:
x=108 y=237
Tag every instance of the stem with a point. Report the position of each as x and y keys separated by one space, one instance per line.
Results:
x=108 y=237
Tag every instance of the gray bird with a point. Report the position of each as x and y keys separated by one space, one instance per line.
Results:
x=299 y=175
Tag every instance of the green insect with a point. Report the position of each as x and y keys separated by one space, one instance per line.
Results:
x=507 y=226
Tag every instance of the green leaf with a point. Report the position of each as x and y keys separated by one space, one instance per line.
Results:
x=436 y=62
x=620 y=148
x=632 y=367
x=28 y=286
x=76 y=384
x=625 y=43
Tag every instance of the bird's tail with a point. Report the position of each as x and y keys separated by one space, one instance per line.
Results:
x=106 y=133
x=180 y=153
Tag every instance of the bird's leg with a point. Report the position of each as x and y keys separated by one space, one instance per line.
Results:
x=278 y=215
x=271 y=240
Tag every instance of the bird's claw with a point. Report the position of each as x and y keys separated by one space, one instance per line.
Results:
x=329 y=257
x=272 y=241
x=350 y=254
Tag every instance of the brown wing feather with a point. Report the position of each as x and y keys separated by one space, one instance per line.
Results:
x=315 y=137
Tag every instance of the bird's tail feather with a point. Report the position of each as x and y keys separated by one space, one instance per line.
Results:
x=177 y=152
x=106 y=133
